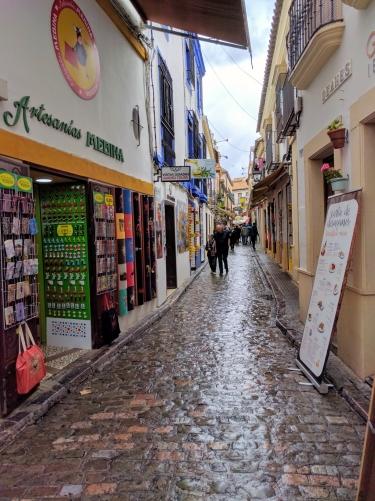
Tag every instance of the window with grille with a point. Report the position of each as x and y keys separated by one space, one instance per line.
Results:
x=166 y=114
x=194 y=141
x=190 y=65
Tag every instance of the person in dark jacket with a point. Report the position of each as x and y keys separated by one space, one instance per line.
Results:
x=221 y=237
x=211 y=253
x=254 y=235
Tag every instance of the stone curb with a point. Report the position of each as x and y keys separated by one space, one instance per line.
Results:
x=58 y=386
x=347 y=384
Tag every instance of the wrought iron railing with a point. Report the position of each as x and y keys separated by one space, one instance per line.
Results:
x=269 y=147
x=306 y=17
x=286 y=114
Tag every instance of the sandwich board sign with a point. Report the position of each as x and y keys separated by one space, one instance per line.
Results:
x=329 y=285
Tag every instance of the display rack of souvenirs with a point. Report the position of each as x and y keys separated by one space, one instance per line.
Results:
x=65 y=248
x=105 y=242
x=19 y=283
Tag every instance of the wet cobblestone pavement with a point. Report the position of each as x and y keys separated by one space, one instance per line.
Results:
x=202 y=407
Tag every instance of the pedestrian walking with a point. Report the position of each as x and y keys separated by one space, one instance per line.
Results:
x=221 y=237
x=237 y=232
x=244 y=234
x=232 y=238
x=254 y=235
x=211 y=253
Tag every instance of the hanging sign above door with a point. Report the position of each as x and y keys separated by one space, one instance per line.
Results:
x=175 y=174
x=329 y=286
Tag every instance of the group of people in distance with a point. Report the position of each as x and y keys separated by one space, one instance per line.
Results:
x=218 y=243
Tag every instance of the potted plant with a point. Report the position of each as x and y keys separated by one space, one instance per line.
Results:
x=334 y=177
x=337 y=133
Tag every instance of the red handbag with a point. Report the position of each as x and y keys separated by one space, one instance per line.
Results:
x=30 y=364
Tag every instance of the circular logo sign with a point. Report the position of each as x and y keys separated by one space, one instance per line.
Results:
x=7 y=180
x=75 y=48
x=370 y=49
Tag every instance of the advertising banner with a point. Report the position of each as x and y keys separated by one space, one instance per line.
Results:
x=201 y=168
x=330 y=281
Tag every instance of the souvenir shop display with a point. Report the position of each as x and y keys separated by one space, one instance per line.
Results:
x=121 y=253
x=191 y=228
x=151 y=225
x=19 y=296
x=19 y=284
x=129 y=248
x=147 y=268
x=139 y=249
x=105 y=242
x=66 y=264
x=104 y=261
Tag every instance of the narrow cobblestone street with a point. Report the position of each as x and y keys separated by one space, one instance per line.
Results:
x=202 y=406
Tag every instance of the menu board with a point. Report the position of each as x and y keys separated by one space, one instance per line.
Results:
x=329 y=283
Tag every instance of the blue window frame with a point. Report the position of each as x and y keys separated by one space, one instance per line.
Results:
x=193 y=135
x=189 y=62
x=166 y=114
x=199 y=95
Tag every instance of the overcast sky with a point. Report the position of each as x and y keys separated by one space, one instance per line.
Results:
x=226 y=117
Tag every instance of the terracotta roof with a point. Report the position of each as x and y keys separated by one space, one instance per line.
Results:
x=240 y=183
x=271 y=49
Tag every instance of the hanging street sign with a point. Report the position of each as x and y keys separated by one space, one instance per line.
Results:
x=329 y=285
x=175 y=174
x=201 y=168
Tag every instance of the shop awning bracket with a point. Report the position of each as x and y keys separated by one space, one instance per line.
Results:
x=197 y=37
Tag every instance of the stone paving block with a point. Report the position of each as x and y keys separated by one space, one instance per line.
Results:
x=200 y=407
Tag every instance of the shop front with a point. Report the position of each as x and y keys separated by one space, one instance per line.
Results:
x=76 y=191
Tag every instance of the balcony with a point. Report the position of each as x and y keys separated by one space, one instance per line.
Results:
x=288 y=109
x=271 y=150
x=316 y=31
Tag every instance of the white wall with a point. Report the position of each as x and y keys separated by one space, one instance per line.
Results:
x=316 y=116
x=29 y=65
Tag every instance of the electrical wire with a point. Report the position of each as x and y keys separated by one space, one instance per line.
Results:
x=230 y=94
x=240 y=67
x=223 y=137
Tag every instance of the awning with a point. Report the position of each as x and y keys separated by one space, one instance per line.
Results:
x=220 y=19
x=260 y=189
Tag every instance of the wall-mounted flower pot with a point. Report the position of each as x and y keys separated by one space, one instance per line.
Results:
x=339 y=184
x=337 y=137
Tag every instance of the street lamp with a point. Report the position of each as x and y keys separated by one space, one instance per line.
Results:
x=222 y=141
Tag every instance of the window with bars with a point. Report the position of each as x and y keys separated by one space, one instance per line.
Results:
x=194 y=141
x=166 y=114
x=190 y=65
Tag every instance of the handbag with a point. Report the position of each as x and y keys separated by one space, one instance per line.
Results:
x=30 y=364
x=110 y=324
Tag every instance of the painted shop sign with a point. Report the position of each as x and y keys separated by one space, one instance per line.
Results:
x=175 y=174
x=329 y=282
x=75 y=48
x=341 y=76
x=24 y=113
x=201 y=168
x=11 y=181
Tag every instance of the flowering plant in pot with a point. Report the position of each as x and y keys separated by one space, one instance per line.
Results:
x=337 y=133
x=334 y=177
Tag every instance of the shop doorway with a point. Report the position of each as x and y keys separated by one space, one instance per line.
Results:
x=170 y=247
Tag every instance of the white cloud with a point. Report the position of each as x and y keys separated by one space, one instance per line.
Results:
x=222 y=111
